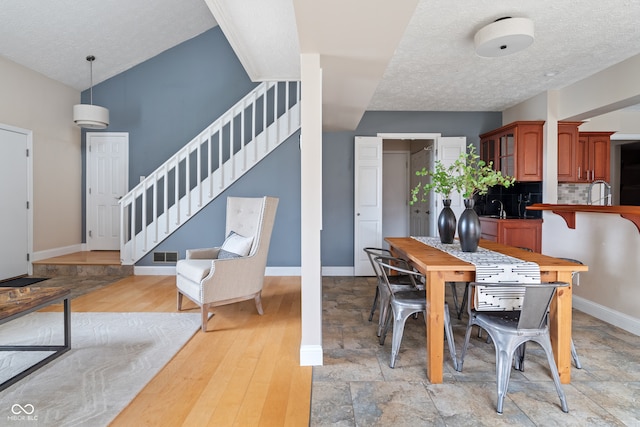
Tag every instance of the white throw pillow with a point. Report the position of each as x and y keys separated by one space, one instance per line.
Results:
x=237 y=244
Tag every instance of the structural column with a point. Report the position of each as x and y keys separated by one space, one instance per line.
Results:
x=311 y=209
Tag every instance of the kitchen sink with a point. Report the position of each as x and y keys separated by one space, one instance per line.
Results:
x=498 y=217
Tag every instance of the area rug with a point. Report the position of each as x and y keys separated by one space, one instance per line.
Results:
x=113 y=356
x=21 y=281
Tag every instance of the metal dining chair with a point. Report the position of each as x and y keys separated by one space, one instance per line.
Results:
x=509 y=330
x=575 y=280
x=404 y=303
x=398 y=282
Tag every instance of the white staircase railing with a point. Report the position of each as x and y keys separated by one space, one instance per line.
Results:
x=206 y=166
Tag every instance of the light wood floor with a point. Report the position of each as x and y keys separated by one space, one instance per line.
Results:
x=85 y=257
x=244 y=372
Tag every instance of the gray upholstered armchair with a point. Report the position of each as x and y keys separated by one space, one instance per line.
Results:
x=235 y=271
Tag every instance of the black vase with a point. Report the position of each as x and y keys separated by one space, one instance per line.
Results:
x=446 y=222
x=469 y=227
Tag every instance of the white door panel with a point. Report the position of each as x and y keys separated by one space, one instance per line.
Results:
x=368 y=200
x=448 y=150
x=395 y=206
x=14 y=196
x=421 y=224
x=107 y=182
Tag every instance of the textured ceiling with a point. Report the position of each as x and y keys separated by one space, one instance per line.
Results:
x=435 y=66
x=416 y=55
x=54 y=37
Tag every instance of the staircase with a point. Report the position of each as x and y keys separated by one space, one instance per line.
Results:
x=206 y=166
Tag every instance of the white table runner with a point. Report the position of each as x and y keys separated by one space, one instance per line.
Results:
x=493 y=267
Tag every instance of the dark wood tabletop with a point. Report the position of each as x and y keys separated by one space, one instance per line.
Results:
x=18 y=300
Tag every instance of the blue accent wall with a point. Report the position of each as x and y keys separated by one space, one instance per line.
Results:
x=166 y=101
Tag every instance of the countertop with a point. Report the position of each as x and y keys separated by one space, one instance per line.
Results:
x=568 y=212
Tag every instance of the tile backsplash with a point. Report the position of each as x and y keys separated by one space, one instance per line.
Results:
x=573 y=194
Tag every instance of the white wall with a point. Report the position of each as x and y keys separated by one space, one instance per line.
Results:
x=607 y=243
x=32 y=101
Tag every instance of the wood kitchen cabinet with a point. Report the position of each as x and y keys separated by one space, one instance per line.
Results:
x=594 y=156
x=568 y=151
x=515 y=150
x=582 y=156
x=522 y=233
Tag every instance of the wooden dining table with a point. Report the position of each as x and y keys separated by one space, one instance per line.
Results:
x=440 y=267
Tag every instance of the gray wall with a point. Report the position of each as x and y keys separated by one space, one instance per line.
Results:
x=166 y=101
x=169 y=99
x=337 y=167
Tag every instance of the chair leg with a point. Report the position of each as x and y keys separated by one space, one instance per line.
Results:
x=373 y=306
x=545 y=343
x=258 y=299
x=449 y=334
x=574 y=354
x=179 y=301
x=467 y=337
x=398 y=330
x=205 y=316
x=385 y=328
x=454 y=295
x=519 y=357
x=464 y=300
x=384 y=313
x=503 y=371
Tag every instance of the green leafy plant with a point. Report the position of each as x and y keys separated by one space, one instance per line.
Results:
x=443 y=182
x=475 y=176
x=468 y=175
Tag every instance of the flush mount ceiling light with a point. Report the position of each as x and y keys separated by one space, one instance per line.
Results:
x=88 y=115
x=504 y=37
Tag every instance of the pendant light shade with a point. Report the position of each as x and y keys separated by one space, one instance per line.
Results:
x=504 y=37
x=88 y=115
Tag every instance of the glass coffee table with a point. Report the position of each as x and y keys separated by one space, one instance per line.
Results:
x=15 y=303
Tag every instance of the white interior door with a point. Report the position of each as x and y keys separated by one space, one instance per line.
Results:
x=448 y=150
x=420 y=216
x=107 y=182
x=15 y=181
x=395 y=209
x=368 y=201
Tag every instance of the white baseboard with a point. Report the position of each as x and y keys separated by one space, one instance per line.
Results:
x=606 y=314
x=170 y=270
x=337 y=271
x=50 y=253
x=283 y=271
x=146 y=270
x=310 y=355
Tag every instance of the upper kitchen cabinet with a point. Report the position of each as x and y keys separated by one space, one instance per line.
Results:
x=515 y=150
x=582 y=156
x=593 y=156
x=568 y=151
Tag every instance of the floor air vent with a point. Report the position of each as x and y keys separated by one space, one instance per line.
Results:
x=165 y=257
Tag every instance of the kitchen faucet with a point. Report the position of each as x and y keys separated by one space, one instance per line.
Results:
x=501 y=212
x=604 y=193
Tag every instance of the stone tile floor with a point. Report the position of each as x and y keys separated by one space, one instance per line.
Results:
x=356 y=387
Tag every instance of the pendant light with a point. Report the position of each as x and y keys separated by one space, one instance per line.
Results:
x=88 y=115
